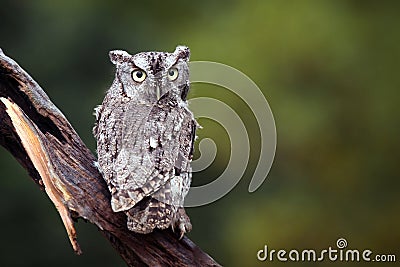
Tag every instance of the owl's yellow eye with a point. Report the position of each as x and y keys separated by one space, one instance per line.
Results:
x=138 y=75
x=173 y=73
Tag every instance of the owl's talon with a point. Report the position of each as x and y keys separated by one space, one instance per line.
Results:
x=182 y=234
x=183 y=223
x=183 y=229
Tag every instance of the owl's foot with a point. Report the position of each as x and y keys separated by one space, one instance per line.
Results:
x=182 y=222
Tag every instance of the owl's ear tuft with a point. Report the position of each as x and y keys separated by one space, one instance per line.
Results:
x=119 y=56
x=182 y=52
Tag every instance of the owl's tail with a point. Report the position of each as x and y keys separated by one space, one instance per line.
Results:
x=149 y=214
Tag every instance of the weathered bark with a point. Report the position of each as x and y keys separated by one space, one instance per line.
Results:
x=46 y=145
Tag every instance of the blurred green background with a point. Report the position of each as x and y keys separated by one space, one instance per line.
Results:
x=330 y=72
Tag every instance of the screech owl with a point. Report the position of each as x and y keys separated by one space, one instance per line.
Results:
x=145 y=134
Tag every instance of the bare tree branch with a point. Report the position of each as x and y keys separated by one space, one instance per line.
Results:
x=46 y=145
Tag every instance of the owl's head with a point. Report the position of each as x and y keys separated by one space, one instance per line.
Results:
x=150 y=76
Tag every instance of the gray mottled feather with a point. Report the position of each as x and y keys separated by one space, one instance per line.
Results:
x=145 y=144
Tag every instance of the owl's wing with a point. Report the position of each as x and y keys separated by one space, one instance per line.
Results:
x=150 y=151
x=112 y=142
x=164 y=207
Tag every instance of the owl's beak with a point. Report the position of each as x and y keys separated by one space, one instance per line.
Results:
x=158 y=93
